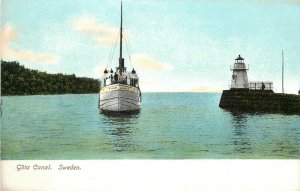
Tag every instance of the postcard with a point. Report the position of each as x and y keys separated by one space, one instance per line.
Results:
x=150 y=95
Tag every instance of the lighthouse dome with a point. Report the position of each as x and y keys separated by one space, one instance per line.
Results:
x=239 y=58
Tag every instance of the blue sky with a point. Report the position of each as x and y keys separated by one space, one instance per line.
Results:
x=174 y=45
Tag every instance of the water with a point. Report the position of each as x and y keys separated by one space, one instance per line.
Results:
x=169 y=126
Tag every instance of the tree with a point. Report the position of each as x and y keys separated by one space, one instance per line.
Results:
x=18 y=80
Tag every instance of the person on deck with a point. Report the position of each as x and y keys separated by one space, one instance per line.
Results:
x=116 y=76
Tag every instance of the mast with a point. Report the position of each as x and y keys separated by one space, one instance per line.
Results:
x=282 y=72
x=121 y=59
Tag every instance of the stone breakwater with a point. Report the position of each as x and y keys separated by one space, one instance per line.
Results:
x=260 y=101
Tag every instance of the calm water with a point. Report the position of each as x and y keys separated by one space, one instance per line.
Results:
x=169 y=126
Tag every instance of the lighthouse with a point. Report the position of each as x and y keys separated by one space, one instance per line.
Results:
x=255 y=96
x=239 y=74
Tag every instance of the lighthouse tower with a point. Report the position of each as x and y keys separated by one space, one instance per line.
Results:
x=239 y=75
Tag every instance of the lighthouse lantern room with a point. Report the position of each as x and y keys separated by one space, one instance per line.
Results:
x=239 y=75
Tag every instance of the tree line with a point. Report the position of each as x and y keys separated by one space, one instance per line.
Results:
x=18 y=80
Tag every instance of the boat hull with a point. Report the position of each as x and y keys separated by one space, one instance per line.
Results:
x=119 y=97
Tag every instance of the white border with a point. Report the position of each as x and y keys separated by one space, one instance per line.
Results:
x=154 y=175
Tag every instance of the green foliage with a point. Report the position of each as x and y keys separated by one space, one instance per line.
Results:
x=18 y=80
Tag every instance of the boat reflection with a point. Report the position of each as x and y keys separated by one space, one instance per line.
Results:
x=113 y=114
x=120 y=130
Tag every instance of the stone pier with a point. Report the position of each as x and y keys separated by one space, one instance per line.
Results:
x=260 y=101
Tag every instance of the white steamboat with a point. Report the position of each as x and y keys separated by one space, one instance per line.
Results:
x=119 y=89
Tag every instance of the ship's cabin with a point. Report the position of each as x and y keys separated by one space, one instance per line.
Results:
x=119 y=76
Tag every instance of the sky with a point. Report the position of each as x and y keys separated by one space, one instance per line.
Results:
x=174 y=45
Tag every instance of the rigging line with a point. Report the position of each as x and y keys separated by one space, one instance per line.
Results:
x=126 y=36
x=112 y=56
x=130 y=49
x=110 y=52
x=116 y=42
x=107 y=63
x=282 y=82
x=127 y=44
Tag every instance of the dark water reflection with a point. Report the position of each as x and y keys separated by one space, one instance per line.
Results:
x=241 y=139
x=120 y=129
x=261 y=113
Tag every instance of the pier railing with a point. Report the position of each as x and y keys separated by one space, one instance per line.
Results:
x=260 y=85
x=257 y=85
